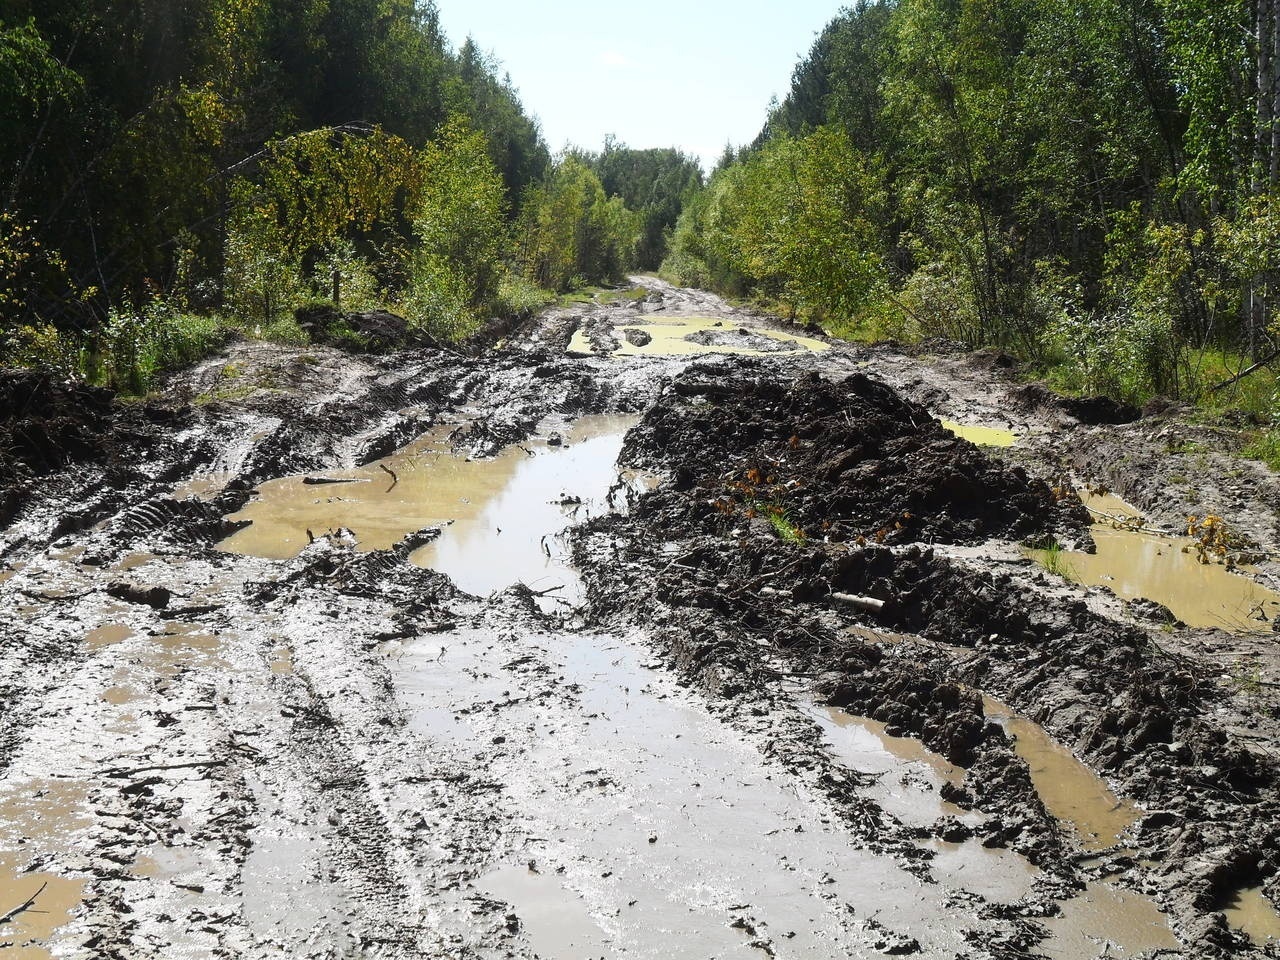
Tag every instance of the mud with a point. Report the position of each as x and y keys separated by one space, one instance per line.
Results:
x=764 y=723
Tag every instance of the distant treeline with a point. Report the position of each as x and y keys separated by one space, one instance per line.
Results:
x=1092 y=184
x=167 y=160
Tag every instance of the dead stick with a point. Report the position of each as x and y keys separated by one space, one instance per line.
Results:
x=22 y=908
x=543 y=593
x=1244 y=373
x=870 y=604
x=394 y=479
x=126 y=772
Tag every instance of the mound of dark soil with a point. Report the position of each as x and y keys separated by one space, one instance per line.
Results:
x=844 y=461
x=1091 y=411
x=373 y=330
x=48 y=423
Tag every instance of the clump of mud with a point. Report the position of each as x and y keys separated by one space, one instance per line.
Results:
x=47 y=422
x=847 y=461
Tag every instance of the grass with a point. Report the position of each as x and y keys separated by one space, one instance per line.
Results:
x=787 y=531
x=1054 y=559
x=1265 y=447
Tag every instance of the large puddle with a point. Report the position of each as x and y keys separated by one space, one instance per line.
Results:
x=500 y=518
x=683 y=336
x=1136 y=564
x=651 y=828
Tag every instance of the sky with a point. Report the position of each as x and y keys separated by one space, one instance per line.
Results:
x=695 y=74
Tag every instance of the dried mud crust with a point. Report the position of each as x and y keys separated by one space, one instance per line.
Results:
x=1147 y=719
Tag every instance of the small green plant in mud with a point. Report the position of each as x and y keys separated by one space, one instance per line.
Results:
x=1051 y=555
x=787 y=531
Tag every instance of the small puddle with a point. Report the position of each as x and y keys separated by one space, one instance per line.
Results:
x=500 y=517
x=1106 y=921
x=107 y=635
x=683 y=336
x=982 y=436
x=26 y=935
x=909 y=776
x=554 y=920
x=289 y=882
x=132 y=561
x=1136 y=564
x=282 y=661
x=1072 y=793
x=1250 y=912
x=203 y=487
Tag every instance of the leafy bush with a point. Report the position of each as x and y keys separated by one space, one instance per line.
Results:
x=138 y=345
x=520 y=297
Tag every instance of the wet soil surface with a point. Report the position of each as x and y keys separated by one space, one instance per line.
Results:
x=320 y=655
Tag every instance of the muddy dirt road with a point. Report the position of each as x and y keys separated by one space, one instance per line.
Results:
x=654 y=629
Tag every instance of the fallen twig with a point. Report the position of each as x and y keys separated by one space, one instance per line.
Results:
x=133 y=771
x=543 y=593
x=870 y=604
x=1245 y=372
x=23 y=907
x=319 y=481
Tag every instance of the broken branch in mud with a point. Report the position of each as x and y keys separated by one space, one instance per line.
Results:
x=134 y=771
x=24 y=907
x=543 y=593
x=869 y=604
x=319 y=481
x=392 y=474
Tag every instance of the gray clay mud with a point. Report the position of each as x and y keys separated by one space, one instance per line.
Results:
x=655 y=628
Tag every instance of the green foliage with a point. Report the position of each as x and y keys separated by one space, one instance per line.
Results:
x=130 y=126
x=1264 y=447
x=656 y=184
x=317 y=198
x=136 y=346
x=797 y=222
x=569 y=234
x=460 y=225
x=520 y=297
x=1091 y=185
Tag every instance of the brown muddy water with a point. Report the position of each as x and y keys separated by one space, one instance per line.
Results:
x=500 y=518
x=685 y=336
x=1072 y=793
x=1137 y=564
x=650 y=827
x=908 y=777
x=1250 y=912
x=980 y=435
x=35 y=820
